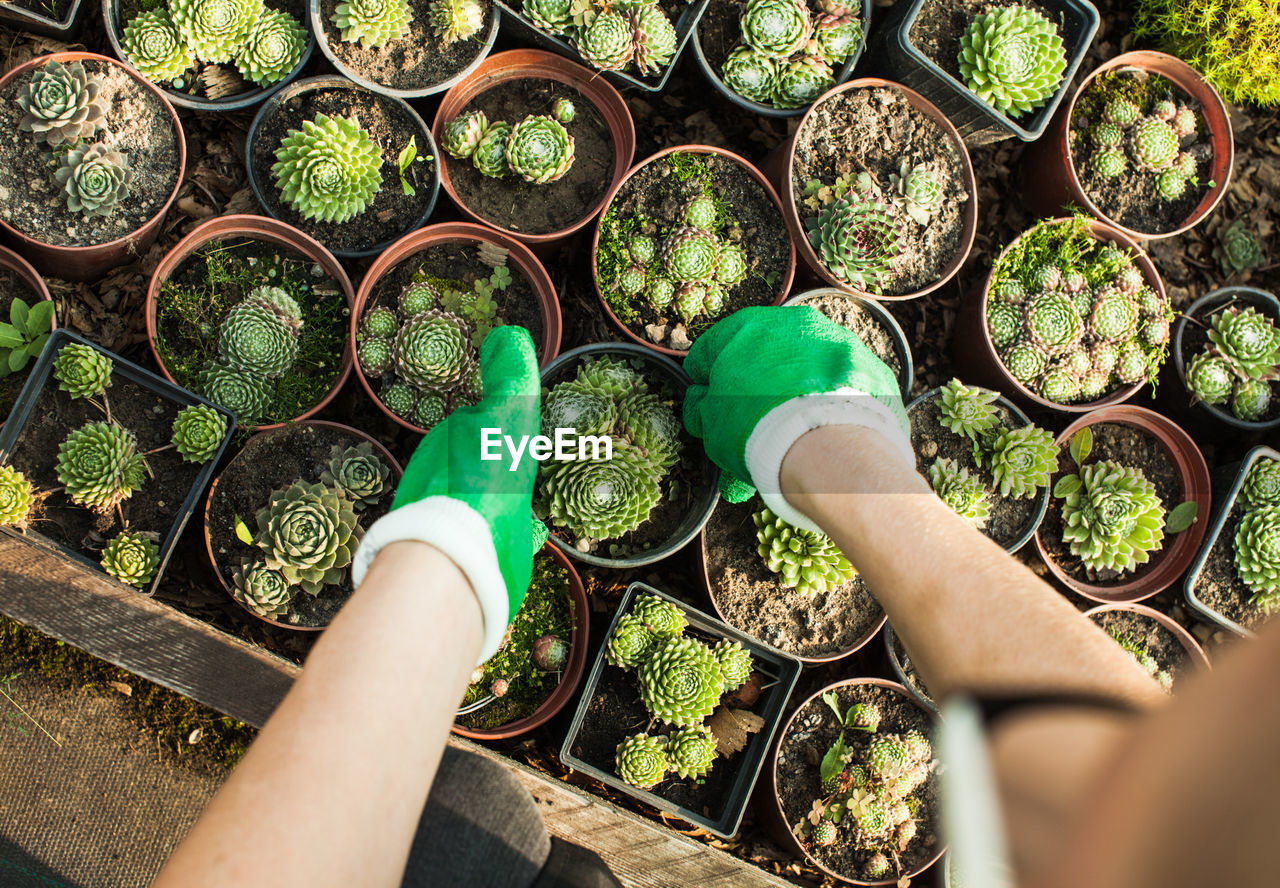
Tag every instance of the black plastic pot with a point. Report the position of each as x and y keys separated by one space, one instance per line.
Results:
x=41 y=375
x=978 y=122
x=895 y=663
x=26 y=20
x=888 y=321
x=782 y=671
x=684 y=25
x=713 y=76
x=705 y=502
x=1221 y=512
x=1265 y=303
x=115 y=30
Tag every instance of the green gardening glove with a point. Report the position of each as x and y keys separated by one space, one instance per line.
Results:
x=465 y=494
x=763 y=377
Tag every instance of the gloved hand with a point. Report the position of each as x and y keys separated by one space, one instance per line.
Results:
x=477 y=511
x=764 y=376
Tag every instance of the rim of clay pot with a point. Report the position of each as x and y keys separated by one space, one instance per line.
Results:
x=82 y=263
x=899 y=672
x=678 y=378
x=1100 y=231
x=322 y=40
x=791 y=213
x=535 y=64
x=1179 y=549
x=22 y=268
x=757 y=177
x=574 y=669
x=1207 y=304
x=331 y=81
x=451 y=233
x=259 y=228
x=111 y=10
x=1026 y=421
x=1189 y=644
x=1212 y=108
x=886 y=319
x=390 y=460
x=774 y=808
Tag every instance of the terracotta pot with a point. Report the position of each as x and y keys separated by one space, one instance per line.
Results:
x=1171 y=562
x=887 y=320
x=791 y=212
x=975 y=353
x=22 y=268
x=534 y=64
x=88 y=263
x=572 y=677
x=1189 y=644
x=257 y=228
x=1049 y=170
x=781 y=829
x=396 y=472
x=518 y=255
x=783 y=285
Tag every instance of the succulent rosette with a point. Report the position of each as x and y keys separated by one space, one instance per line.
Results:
x=358 y=473
x=1262 y=485
x=274 y=46
x=307 y=533
x=601 y=499
x=654 y=38
x=629 y=643
x=245 y=395
x=198 y=432
x=61 y=104
x=776 y=28
x=858 y=239
x=99 y=465
x=1113 y=518
x=552 y=16
x=154 y=47
x=462 y=134
x=752 y=75
x=735 y=663
x=607 y=40
x=131 y=558
x=262 y=590
x=806 y=561
x=801 y=80
x=373 y=23
x=454 y=20
x=1257 y=555
x=691 y=751
x=963 y=493
x=329 y=170
x=81 y=370
x=680 y=681
x=433 y=350
x=539 y=149
x=255 y=340
x=215 y=29
x=1012 y=58
x=1022 y=460
x=659 y=616
x=15 y=497
x=641 y=760
x=95 y=178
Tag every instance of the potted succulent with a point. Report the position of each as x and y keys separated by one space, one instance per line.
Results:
x=1130 y=503
x=1235 y=580
x=871 y=216
x=1000 y=70
x=252 y=314
x=211 y=55
x=283 y=519
x=351 y=168
x=1073 y=316
x=59 y=19
x=679 y=710
x=775 y=58
x=105 y=461
x=542 y=658
x=404 y=48
x=638 y=487
x=1164 y=650
x=117 y=152
x=688 y=236
x=854 y=783
x=984 y=459
x=1144 y=144
x=445 y=287
x=25 y=301
x=532 y=144
x=871 y=322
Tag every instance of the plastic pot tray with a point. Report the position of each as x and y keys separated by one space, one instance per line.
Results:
x=28 y=20
x=41 y=375
x=782 y=671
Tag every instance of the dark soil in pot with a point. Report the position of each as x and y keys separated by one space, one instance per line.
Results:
x=283 y=456
x=750 y=597
x=54 y=10
x=1130 y=447
x=12 y=286
x=940 y=24
x=195 y=299
x=1218 y=585
x=652 y=201
x=517 y=205
x=1195 y=340
x=389 y=125
x=809 y=737
x=137 y=121
x=1010 y=518
x=1132 y=198
x=1140 y=632
x=876 y=130
x=862 y=323
x=415 y=61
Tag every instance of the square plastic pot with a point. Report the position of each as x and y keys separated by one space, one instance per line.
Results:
x=28 y=20
x=42 y=375
x=780 y=668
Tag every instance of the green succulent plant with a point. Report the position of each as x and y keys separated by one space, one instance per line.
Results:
x=462 y=134
x=131 y=558
x=967 y=411
x=610 y=377
x=1022 y=461
x=454 y=20
x=357 y=473
x=381 y=323
x=659 y=616
x=607 y=40
x=1004 y=323
x=920 y=192
x=963 y=493
x=1114 y=317
x=400 y=399
x=154 y=47
x=776 y=28
x=100 y=466
x=198 y=432
x=272 y=49
x=801 y=81
x=1237 y=249
x=641 y=760
x=654 y=37
x=376 y=356
x=1012 y=58
x=539 y=149
x=15 y=497
x=1059 y=385
x=1210 y=378
x=1153 y=144
x=552 y=16
x=61 y=104
x=859 y=240
x=652 y=426
x=215 y=29
x=736 y=663
x=807 y=561
x=691 y=751
x=82 y=371
x=430 y=409
x=433 y=350
x=629 y=643
x=1171 y=184
x=262 y=590
x=490 y=154
x=1109 y=163
x=680 y=681
x=308 y=533
x=750 y=74
x=1111 y=516
x=95 y=178
x=244 y=395
x=1251 y=399
x=571 y=405
x=689 y=254
x=1052 y=322
x=731 y=264
x=601 y=499
x=1025 y=362
x=835 y=37
x=255 y=340
x=329 y=170
x=416 y=298
x=1262 y=485
x=373 y=23
x=277 y=301
x=1248 y=340
x=1257 y=555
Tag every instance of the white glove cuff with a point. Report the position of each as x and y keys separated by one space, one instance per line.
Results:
x=460 y=532
x=783 y=425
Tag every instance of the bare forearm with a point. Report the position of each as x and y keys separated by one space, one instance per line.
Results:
x=331 y=791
